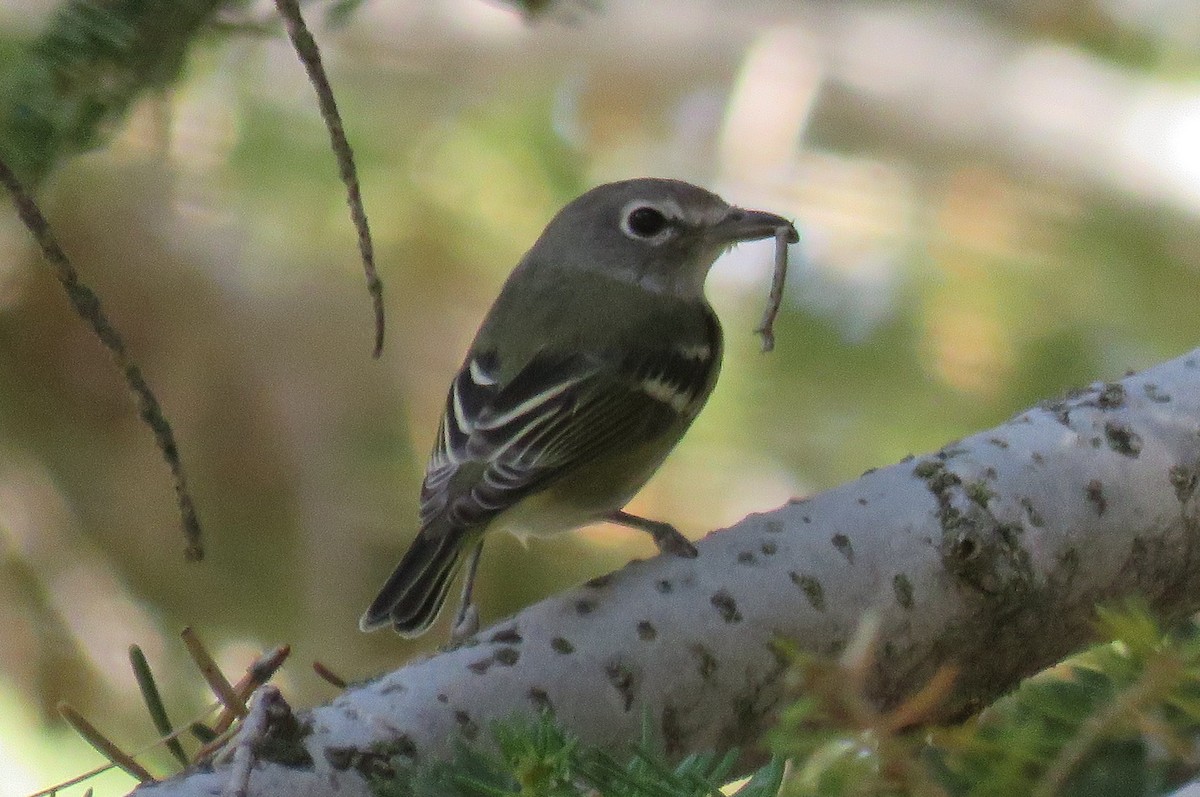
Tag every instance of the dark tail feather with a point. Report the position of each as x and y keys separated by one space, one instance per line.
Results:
x=415 y=592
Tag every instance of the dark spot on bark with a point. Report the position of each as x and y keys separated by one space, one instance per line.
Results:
x=442 y=698
x=772 y=526
x=663 y=586
x=1037 y=458
x=998 y=442
x=622 y=679
x=1035 y=517
x=706 y=662
x=1111 y=396
x=862 y=502
x=1122 y=439
x=561 y=645
x=1183 y=479
x=904 y=590
x=1155 y=394
x=1068 y=560
x=340 y=758
x=812 y=589
x=806 y=519
x=540 y=699
x=379 y=761
x=466 y=725
x=979 y=493
x=480 y=666
x=507 y=635
x=646 y=631
x=1095 y=494
x=599 y=581
x=926 y=469
x=768 y=549
x=405 y=746
x=584 y=607
x=392 y=688
x=844 y=546
x=965 y=548
x=507 y=656
x=745 y=558
x=726 y=605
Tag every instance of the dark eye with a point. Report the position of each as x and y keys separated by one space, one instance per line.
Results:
x=645 y=222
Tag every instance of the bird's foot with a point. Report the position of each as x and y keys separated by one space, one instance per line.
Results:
x=670 y=540
x=466 y=624
x=666 y=537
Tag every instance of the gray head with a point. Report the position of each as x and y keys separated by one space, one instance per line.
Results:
x=662 y=234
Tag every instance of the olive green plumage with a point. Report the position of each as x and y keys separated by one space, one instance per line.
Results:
x=596 y=357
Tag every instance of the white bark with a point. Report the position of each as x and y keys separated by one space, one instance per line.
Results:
x=990 y=553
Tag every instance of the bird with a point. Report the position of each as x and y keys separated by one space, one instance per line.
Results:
x=597 y=355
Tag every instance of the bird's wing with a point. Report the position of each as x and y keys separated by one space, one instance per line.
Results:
x=497 y=444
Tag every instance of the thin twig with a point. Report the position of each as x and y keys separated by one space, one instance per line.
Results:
x=87 y=306
x=212 y=674
x=310 y=56
x=252 y=730
x=766 y=327
x=328 y=675
x=100 y=770
x=103 y=745
x=257 y=674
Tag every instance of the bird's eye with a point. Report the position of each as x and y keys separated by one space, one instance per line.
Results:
x=645 y=222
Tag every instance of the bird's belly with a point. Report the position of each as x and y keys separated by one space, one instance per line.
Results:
x=583 y=497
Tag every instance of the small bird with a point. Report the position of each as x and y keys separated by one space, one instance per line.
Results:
x=596 y=357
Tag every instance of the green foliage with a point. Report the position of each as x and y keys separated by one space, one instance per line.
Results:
x=1117 y=720
x=538 y=759
x=77 y=81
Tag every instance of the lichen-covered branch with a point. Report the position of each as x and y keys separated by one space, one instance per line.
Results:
x=989 y=554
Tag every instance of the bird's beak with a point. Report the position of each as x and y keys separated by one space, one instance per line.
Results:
x=750 y=225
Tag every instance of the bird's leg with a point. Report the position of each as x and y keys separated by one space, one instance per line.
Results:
x=466 y=622
x=666 y=537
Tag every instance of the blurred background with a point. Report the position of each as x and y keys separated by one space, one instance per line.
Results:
x=998 y=200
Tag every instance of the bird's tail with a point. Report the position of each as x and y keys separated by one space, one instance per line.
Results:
x=413 y=596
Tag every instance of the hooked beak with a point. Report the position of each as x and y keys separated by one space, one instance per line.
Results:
x=750 y=225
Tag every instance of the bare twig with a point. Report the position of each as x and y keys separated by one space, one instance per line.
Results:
x=102 y=769
x=766 y=327
x=328 y=675
x=103 y=745
x=310 y=56
x=253 y=728
x=256 y=675
x=213 y=675
x=87 y=306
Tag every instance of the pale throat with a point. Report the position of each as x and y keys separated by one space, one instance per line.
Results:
x=686 y=282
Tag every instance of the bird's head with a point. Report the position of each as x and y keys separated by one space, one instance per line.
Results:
x=662 y=234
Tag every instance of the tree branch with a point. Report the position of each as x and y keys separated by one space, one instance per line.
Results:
x=989 y=554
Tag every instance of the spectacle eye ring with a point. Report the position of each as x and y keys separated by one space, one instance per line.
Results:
x=644 y=222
